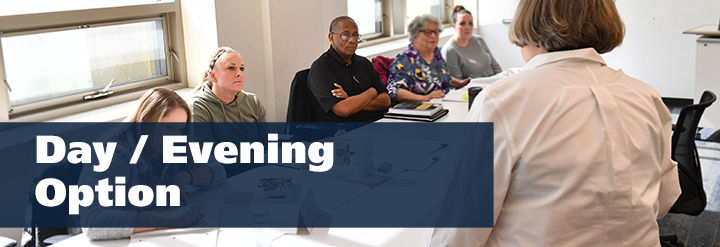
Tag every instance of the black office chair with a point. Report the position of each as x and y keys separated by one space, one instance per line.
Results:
x=300 y=111
x=49 y=225
x=693 y=200
x=715 y=137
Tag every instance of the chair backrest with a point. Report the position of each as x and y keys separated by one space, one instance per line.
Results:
x=46 y=222
x=300 y=107
x=715 y=137
x=382 y=66
x=693 y=200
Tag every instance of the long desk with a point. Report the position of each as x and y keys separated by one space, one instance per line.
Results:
x=247 y=181
x=360 y=237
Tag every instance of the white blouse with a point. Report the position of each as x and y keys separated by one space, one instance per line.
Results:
x=582 y=157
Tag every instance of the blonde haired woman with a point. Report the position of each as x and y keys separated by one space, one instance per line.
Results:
x=160 y=112
x=157 y=103
x=220 y=98
x=581 y=150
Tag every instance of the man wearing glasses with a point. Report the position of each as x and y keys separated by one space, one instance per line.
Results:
x=346 y=86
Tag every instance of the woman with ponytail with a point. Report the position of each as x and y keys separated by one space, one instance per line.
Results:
x=467 y=55
x=222 y=111
x=220 y=98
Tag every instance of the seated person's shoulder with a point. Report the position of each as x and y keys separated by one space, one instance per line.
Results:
x=403 y=58
x=363 y=59
x=319 y=66
x=321 y=61
x=320 y=72
x=252 y=97
x=200 y=109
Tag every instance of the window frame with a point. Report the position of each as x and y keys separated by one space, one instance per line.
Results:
x=168 y=12
x=388 y=32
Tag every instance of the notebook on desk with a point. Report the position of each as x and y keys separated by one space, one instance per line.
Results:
x=432 y=118
x=415 y=109
x=184 y=237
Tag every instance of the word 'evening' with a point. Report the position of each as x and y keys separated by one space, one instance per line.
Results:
x=227 y=152
x=224 y=152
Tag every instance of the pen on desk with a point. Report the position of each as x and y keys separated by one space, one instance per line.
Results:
x=217 y=237
x=443 y=145
x=435 y=160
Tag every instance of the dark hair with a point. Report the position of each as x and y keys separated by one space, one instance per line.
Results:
x=335 y=23
x=458 y=10
x=558 y=25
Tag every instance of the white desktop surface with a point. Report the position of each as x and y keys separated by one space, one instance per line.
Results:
x=351 y=237
x=707 y=29
x=460 y=95
x=401 y=192
x=355 y=237
x=246 y=182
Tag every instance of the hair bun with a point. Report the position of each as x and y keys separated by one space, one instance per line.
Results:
x=458 y=8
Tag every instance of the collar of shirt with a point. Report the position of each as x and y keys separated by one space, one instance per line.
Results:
x=339 y=59
x=546 y=58
x=412 y=52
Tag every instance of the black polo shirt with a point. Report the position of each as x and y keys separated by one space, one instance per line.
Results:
x=355 y=78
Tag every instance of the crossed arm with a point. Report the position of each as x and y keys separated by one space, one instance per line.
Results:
x=369 y=100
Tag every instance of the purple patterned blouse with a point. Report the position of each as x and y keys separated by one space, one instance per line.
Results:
x=411 y=72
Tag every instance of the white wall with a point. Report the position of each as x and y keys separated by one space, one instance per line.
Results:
x=239 y=25
x=490 y=14
x=200 y=36
x=299 y=36
x=276 y=38
x=14 y=233
x=279 y=37
x=654 y=50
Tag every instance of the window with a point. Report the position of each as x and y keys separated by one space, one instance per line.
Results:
x=420 y=7
x=388 y=18
x=18 y=7
x=368 y=16
x=64 y=55
x=52 y=64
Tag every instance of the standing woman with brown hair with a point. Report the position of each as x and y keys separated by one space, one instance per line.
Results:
x=466 y=54
x=581 y=150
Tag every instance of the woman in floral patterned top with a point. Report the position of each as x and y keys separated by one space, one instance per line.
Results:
x=419 y=72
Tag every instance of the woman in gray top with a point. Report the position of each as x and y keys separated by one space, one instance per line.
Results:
x=467 y=55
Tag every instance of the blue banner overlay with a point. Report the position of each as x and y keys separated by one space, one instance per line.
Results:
x=246 y=175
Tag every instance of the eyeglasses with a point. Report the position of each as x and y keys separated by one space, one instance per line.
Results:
x=429 y=32
x=346 y=36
